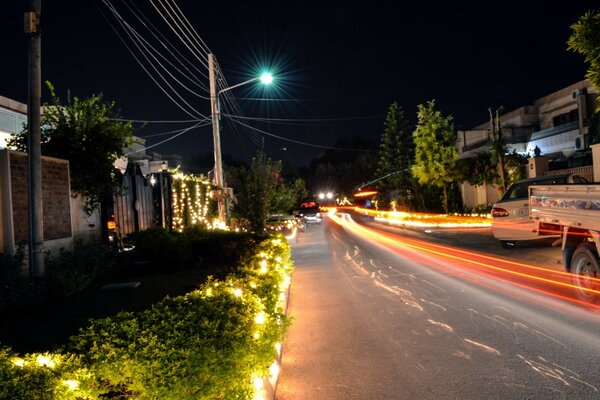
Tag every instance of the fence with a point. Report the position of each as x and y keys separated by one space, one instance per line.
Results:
x=586 y=171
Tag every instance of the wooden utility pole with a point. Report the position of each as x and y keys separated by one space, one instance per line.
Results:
x=214 y=108
x=34 y=187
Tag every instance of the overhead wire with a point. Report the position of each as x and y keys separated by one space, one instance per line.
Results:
x=168 y=46
x=302 y=143
x=170 y=138
x=192 y=49
x=181 y=26
x=120 y=19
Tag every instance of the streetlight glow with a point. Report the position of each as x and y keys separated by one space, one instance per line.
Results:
x=266 y=78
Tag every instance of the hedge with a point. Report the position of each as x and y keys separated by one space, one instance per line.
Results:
x=213 y=343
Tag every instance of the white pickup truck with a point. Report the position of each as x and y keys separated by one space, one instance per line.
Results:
x=574 y=212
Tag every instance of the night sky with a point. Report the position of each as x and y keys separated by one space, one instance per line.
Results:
x=337 y=66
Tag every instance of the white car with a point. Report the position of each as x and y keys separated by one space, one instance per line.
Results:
x=510 y=216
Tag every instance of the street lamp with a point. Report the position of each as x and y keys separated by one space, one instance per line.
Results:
x=275 y=151
x=266 y=78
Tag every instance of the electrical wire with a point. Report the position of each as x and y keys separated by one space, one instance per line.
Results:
x=168 y=139
x=300 y=142
x=166 y=43
x=114 y=11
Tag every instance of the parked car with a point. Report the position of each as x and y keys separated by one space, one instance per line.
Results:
x=511 y=222
x=310 y=212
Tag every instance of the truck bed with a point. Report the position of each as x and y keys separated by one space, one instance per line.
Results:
x=572 y=205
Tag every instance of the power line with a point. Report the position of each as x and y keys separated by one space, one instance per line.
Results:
x=299 y=142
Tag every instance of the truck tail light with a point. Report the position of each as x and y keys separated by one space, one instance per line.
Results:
x=499 y=212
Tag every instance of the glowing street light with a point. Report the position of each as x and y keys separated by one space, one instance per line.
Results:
x=266 y=78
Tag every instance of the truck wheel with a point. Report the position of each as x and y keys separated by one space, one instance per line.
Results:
x=586 y=272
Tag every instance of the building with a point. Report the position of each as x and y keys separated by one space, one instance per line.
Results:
x=13 y=115
x=557 y=124
x=65 y=222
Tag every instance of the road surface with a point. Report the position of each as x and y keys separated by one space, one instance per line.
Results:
x=386 y=318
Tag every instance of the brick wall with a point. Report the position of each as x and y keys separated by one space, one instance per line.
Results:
x=56 y=202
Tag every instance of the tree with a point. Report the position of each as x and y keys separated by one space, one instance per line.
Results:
x=261 y=191
x=396 y=154
x=585 y=40
x=435 y=149
x=89 y=135
x=340 y=170
x=498 y=147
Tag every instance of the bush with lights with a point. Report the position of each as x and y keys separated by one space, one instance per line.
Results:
x=219 y=341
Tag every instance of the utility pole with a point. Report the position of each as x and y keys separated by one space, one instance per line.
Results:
x=214 y=107
x=34 y=187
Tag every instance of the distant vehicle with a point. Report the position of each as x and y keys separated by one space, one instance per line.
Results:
x=511 y=222
x=282 y=223
x=310 y=211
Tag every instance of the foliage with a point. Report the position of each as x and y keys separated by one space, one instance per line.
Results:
x=194 y=247
x=585 y=40
x=515 y=165
x=44 y=376
x=477 y=170
x=88 y=134
x=72 y=271
x=16 y=288
x=260 y=191
x=191 y=200
x=435 y=149
x=67 y=273
x=211 y=343
x=396 y=154
x=340 y=170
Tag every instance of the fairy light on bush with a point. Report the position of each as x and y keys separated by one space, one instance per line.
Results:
x=191 y=201
x=45 y=361
x=19 y=362
x=71 y=384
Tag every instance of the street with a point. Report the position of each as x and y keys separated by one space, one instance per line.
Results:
x=382 y=317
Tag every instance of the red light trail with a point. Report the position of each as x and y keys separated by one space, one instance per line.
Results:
x=541 y=280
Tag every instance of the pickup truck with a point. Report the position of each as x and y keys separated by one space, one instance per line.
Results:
x=573 y=210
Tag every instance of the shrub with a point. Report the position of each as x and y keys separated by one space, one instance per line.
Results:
x=194 y=247
x=15 y=286
x=44 y=376
x=72 y=271
x=211 y=343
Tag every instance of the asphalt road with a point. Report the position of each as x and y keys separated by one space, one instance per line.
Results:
x=374 y=321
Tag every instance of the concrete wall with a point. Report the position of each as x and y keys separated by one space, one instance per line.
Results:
x=474 y=196
x=85 y=228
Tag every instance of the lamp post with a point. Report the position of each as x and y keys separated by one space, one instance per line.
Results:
x=266 y=79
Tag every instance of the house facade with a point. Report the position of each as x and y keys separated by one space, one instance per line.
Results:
x=557 y=125
x=144 y=200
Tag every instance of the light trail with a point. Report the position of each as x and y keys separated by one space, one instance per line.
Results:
x=514 y=273
x=425 y=220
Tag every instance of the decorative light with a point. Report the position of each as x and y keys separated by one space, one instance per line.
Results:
x=72 y=384
x=258 y=383
x=237 y=292
x=260 y=318
x=273 y=373
x=44 y=361
x=19 y=362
